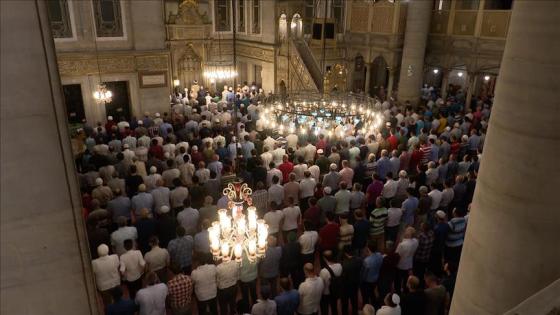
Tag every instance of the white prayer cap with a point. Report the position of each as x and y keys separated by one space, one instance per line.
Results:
x=230 y=89
x=166 y=155
x=440 y=214
x=164 y=209
x=320 y=151
x=140 y=122
x=447 y=128
x=396 y=299
x=157 y=114
x=102 y=250
x=327 y=190
x=98 y=181
x=141 y=188
x=110 y=118
x=465 y=137
x=153 y=170
x=423 y=189
x=333 y=167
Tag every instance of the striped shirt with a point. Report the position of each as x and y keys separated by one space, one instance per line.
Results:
x=377 y=220
x=456 y=234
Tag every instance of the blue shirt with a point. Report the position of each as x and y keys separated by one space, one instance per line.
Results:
x=383 y=167
x=180 y=250
x=408 y=206
x=121 y=307
x=287 y=302
x=371 y=267
x=119 y=206
x=270 y=264
x=142 y=200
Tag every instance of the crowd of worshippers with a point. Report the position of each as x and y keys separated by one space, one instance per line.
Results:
x=371 y=223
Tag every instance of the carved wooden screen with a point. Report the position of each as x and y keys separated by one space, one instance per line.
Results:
x=59 y=16
x=108 y=18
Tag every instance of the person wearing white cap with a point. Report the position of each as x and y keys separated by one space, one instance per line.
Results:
x=106 y=271
x=102 y=193
x=332 y=179
x=151 y=180
x=391 y=306
x=157 y=120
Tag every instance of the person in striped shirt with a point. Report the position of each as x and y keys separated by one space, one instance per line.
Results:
x=455 y=235
x=377 y=220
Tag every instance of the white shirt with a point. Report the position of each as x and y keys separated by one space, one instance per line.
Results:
x=177 y=196
x=106 y=270
x=132 y=265
x=446 y=197
x=227 y=274
x=277 y=155
x=291 y=217
x=271 y=173
x=292 y=140
x=307 y=187
x=267 y=307
x=273 y=218
x=387 y=310
x=406 y=249
x=436 y=198
x=152 y=299
x=310 y=151
x=315 y=172
x=276 y=194
x=394 y=216
x=326 y=276
x=299 y=170
x=307 y=241
x=157 y=258
x=122 y=234
x=310 y=292
x=266 y=158
x=204 y=279
x=342 y=201
x=390 y=189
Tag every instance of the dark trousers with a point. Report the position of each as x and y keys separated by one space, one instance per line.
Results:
x=368 y=292
x=226 y=299
x=329 y=301
x=207 y=307
x=349 y=294
x=400 y=281
x=391 y=233
x=419 y=270
x=133 y=287
x=453 y=253
x=249 y=289
x=273 y=284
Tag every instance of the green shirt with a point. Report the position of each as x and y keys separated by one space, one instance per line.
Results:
x=248 y=271
x=377 y=220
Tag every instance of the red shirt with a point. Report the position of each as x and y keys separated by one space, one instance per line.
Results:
x=329 y=236
x=374 y=190
x=321 y=144
x=156 y=151
x=286 y=168
x=393 y=142
x=455 y=146
x=414 y=159
x=313 y=215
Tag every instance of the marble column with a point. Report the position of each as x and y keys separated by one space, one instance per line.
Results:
x=471 y=86
x=415 y=38
x=368 y=78
x=511 y=249
x=444 y=83
x=45 y=266
x=390 y=82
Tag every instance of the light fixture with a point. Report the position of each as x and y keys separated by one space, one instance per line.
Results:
x=218 y=71
x=322 y=114
x=238 y=230
x=486 y=78
x=436 y=70
x=176 y=82
x=460 y=74
x=102 y=94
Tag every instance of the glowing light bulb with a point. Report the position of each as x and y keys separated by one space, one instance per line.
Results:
x=486 y=78
x=436 y=71
x=460 y=74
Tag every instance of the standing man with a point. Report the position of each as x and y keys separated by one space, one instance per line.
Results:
x=180 y=292
x=288 y=301
x=310 y=291
x=330 y=275
x=106 y=270
x=227 y=274
x=132 y=268
x=151 y=299
x=205 y=286
x=370 y=273
x=180 y=250
x=351 y=268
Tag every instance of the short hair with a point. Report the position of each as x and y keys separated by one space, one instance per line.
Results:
x=275 y=179
x=265 y=292
x=187 y=202
x=180 y=231
x=285 y=283
x=128 y=244
x=372 y=246
x=151 y=278
x=359 y=213
x=154 y=240
x=116 y=293
x=307 y=225
x=330 y=216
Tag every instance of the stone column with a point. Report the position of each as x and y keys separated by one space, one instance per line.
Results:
x=390 y=82
x=444 y=83
x=45 y=263
x=368 y=78
x=511 y=250
x=415 y=38
x=471 y=86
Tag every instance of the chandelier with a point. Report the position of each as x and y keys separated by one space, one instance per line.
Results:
x=237 y=230
x=102 y=94
x=331 y=115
